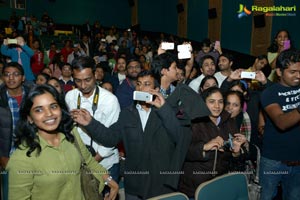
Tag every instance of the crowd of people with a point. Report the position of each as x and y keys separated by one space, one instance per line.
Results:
x=204 y=120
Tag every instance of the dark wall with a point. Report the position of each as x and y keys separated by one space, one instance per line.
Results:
x=113 y=12
x=158 y=15
x=197 y=19
x=6 y=11
x=235 y=32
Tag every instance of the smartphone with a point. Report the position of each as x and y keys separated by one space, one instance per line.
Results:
x=248 y=75
x=184 y=51
x=167 y=45
x=286 y=44
x=184 y=55
x=12 y=41
x=183 y=48
x=142 y=96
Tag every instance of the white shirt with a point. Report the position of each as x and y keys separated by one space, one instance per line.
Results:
x=121 y=78
x=71 y=56
x=107 y=113
x=62 y=78
x=110 y=38
x=220 y=78
x=144 y=115
x=195 y=84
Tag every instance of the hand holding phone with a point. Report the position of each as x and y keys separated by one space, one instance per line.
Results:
x=228 y=144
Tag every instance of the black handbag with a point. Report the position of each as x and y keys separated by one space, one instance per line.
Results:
x=89 y=183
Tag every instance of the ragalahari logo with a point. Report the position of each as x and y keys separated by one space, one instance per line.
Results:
x=243 y=11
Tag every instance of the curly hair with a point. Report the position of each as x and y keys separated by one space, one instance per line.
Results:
x=26 y=133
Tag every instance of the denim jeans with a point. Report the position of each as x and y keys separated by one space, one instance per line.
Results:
x=272 y=173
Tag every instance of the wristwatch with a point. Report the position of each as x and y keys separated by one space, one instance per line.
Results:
x=107 y=180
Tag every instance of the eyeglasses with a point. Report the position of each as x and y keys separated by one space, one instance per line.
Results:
x=15 y=74
x=134 y=67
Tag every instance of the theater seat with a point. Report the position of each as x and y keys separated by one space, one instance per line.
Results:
x=228 y=186
x=171 y=196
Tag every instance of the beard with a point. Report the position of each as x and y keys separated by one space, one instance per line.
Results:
x=134 y=78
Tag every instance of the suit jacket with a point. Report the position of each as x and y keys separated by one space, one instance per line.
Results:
x=91 y=48
x=153 y=156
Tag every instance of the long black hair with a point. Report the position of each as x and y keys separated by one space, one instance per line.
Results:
x=26 y=133
x=274 y=47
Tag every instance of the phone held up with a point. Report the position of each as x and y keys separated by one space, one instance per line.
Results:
x=142 y=96
x=167 y=45
x=184 y=51
x=248 y=75
x=12 y=41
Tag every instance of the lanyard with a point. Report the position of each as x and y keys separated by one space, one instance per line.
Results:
x=95 y=101
x=94 y=106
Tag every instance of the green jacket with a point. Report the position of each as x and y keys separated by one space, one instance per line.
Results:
x=54 y=174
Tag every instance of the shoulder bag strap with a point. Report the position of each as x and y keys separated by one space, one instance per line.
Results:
x=78 y=149
x=256 y=179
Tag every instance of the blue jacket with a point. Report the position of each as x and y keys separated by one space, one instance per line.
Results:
x=25 y=55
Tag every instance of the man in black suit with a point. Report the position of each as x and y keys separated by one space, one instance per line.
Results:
x=86 y=45
x=152 y=137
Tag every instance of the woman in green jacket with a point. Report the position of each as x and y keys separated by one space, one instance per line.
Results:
x=46 y=164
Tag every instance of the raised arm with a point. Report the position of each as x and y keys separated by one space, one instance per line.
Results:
x=167 y=115
x=4 y=48
x=24 y=46
x=108 y=137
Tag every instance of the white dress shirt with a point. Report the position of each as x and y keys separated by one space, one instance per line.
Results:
x=144 y=115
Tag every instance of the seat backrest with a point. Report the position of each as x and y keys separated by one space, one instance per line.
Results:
x=228 y=186
x=171 y=196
